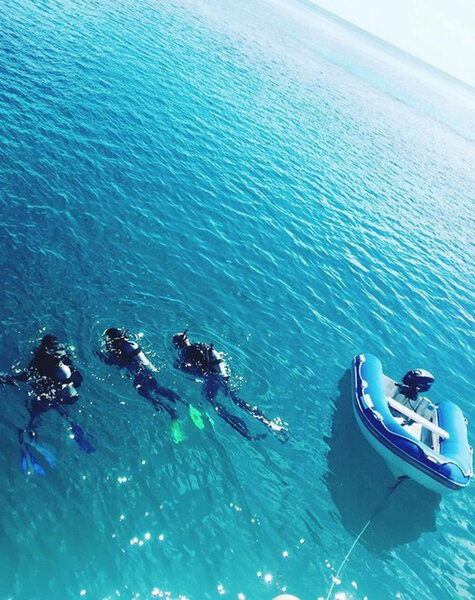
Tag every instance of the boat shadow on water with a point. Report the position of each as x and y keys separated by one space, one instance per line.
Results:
x=358 y=480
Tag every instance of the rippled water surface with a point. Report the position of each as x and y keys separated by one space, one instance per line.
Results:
x=238 y=170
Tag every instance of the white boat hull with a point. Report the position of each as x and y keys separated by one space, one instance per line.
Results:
x=399 y=466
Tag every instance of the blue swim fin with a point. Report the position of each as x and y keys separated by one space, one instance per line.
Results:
x=24 y=461
x=82 y=439
x=47 y=454
x=37 y=468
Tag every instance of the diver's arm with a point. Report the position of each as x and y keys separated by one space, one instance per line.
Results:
x=235 y=422
x=210 y=391
x=252 y=410
x=5 y=378
x=106 y=358
x=76 y=378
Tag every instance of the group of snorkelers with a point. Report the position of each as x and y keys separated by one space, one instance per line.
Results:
x=54 y=381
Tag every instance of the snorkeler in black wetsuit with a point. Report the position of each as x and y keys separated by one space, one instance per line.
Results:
x=202 y=360
x=53 y=378
x=120 y=350
x=54 y=381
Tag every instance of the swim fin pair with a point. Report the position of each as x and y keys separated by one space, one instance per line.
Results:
x=29 y=458
x=178 y=435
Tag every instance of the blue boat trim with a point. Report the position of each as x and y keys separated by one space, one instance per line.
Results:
x=407 y=457
x=371 y=408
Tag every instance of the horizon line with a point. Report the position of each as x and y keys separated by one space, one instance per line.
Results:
x=389 y=45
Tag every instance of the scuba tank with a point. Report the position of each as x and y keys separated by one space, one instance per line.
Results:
x=63 y=377
x=217 y=363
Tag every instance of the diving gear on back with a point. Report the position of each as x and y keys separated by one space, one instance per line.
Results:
x=199 y=358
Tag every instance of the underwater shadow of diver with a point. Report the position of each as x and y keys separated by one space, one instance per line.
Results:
x=358 y=478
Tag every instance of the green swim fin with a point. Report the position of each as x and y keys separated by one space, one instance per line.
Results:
x=196 y=417
x=178 y=434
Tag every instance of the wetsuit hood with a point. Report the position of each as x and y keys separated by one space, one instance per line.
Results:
x=118 y=344
x=50 y=347
x=50 y=344
x=114 y=334
x=49 y=341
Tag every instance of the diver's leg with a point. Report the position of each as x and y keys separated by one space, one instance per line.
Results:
x=257 y=414
x=252 y=410
x=169 y=409
x=167 y=393
x=147 y=388
x=36 y=411
x=210 y=390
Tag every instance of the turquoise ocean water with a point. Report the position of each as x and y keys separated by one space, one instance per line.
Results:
x=288 y=189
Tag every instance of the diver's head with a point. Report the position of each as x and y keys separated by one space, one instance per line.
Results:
x=115 y=339
x=180 y=340
x=51 y=347
x=114 y=334
x=49 y=342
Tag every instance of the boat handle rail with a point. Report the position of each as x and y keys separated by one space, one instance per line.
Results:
x=404 y=410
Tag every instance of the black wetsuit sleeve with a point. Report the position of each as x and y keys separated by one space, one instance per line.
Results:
x=211 y=387
x=76 y=378
x=21 y=376
x=106 y=357
x=5 y=378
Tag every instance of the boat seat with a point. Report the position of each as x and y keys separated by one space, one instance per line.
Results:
x=415 y=429
x=417 y=418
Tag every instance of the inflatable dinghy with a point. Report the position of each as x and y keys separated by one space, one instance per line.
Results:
x=425 y=441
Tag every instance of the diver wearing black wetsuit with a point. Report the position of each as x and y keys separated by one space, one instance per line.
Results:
x=202 y=360
x=53 y=378
x=126 y=353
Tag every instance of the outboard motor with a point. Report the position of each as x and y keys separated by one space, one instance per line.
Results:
x=415 y=381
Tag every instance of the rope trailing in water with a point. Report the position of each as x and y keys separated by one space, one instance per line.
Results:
x=368 y=523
